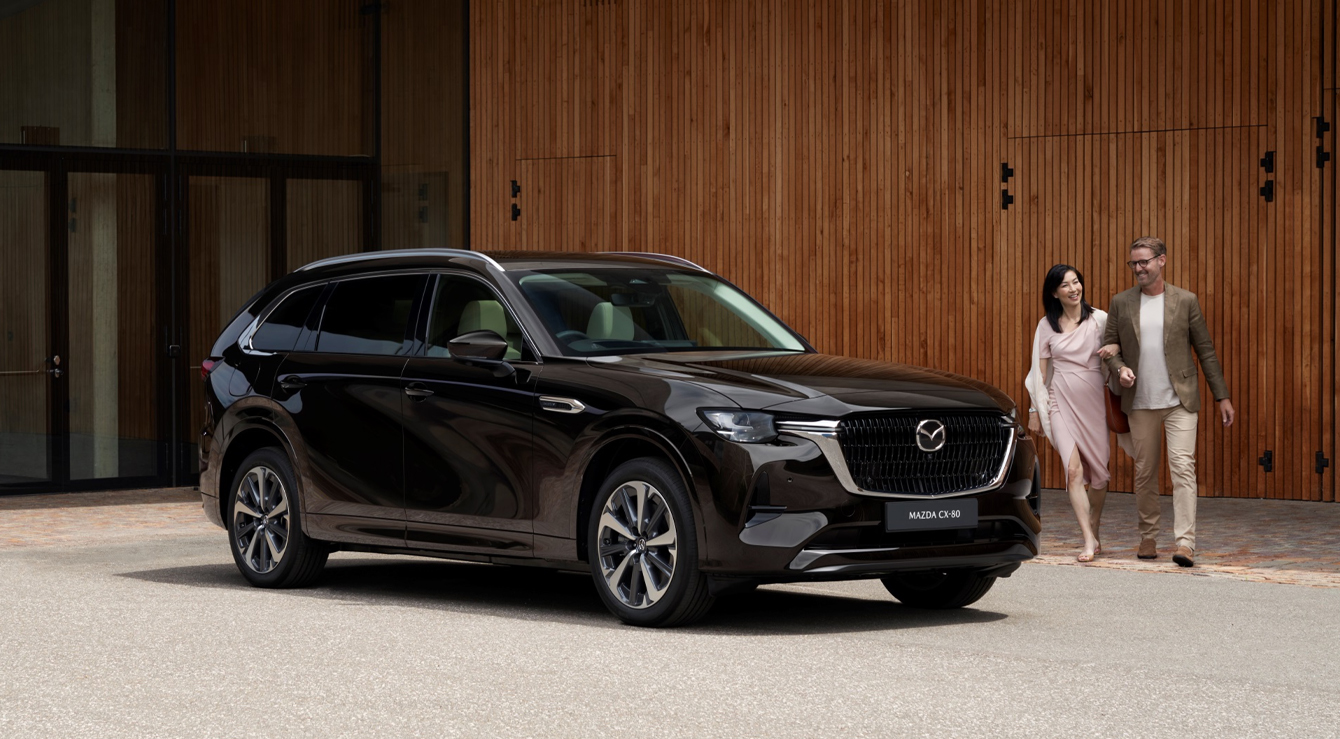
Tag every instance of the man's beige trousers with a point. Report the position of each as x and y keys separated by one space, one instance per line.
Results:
x=1179 y=425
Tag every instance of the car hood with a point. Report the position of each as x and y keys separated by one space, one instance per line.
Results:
x=817 y=384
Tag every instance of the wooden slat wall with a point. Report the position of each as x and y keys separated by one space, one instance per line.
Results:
x=324 y=220
x=24 y=306
x=290 y=77
x=1188 y=97
x=841 y=161
x=424 y=153
x=1330 y=25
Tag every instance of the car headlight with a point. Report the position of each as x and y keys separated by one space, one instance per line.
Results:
x=750 y=427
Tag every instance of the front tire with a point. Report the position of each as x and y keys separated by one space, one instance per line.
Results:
x=938 y=590
x=265 y=525
x=643 y=549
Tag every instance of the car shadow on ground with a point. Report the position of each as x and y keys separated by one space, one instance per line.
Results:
x=538 y=594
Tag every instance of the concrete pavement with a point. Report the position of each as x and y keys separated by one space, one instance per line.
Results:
x=146 y=629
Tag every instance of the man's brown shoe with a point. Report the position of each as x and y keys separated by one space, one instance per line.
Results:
x=1184 y=557
x=1147 y=550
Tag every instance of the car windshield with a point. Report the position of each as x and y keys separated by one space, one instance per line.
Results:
x=593 y=312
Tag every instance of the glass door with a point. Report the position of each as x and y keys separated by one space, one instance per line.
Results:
x=115 y=358
x=82 y=360
x=26 y=366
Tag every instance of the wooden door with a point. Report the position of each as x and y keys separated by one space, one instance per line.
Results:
x=1081 y=200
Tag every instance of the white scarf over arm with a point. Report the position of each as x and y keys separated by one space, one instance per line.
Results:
x=1039 y=386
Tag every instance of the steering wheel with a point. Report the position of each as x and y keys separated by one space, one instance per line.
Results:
x=569 y=335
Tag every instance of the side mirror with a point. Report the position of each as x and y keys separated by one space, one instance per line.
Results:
x=485 y=348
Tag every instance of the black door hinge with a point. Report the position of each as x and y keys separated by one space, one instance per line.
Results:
x=1268 y=191
x=1268 y=162
x=1267 y=460
x=516 y=189
x=1322 y=463
x=1006 y=172
x=516 y=211
x=1323 y=156
x=1005 y=199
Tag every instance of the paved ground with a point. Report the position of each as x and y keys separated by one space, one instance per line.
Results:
x=1282 y=541
x=122 y=615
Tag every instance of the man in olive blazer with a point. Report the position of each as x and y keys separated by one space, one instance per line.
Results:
x=1161 y=389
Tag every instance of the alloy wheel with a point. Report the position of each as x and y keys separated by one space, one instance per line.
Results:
x=636 y=534
x=261 y=519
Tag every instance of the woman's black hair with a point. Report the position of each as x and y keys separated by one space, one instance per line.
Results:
x=1055 y=276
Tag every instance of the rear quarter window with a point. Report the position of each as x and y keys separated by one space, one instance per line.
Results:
x=280 y=330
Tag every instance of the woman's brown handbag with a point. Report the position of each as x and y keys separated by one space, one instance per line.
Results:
x=1116 y=417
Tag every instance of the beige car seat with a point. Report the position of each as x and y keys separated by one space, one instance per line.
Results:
x=610 y=321
x=488 y=315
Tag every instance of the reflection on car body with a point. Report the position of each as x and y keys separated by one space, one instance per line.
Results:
x=631 y=415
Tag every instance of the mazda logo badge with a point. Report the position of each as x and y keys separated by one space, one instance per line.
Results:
x=930 y=435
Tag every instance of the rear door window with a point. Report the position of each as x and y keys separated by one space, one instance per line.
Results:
x=280 y=330
x=369 y=315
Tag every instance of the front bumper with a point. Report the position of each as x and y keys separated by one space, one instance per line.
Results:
x=797 y=520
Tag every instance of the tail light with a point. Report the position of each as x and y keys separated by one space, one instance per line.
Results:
x=207 y=366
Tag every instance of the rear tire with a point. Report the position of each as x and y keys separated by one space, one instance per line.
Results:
x=265 y=525
x=643 y=548
x=938 y=590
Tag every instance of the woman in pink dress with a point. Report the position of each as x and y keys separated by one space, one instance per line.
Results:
x=1067 y=385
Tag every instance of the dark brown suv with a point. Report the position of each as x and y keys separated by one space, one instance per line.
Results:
x=632 y=415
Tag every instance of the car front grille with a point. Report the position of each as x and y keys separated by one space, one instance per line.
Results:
x=882 y=453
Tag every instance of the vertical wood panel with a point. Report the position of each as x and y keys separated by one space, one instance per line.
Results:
x=840 y=161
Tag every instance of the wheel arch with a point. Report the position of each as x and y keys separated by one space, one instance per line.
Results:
x=620 y=446
x=245 y=440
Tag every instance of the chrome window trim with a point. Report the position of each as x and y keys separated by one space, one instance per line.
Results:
x=824 y=435
x=244 y=338
x=366 y=255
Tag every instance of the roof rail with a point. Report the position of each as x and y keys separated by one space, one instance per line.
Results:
x=658 y=257
x=401 y=253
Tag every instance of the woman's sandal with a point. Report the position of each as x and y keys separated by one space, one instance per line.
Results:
x=1083 y=557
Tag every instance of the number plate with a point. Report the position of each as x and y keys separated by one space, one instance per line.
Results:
x=931 y=515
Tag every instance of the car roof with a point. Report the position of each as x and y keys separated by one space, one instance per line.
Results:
x=485 y=261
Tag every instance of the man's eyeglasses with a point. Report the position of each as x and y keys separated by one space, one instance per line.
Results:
x=1141 y=262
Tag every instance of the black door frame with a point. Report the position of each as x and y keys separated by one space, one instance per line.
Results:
x=58 y=166
x=171 y=171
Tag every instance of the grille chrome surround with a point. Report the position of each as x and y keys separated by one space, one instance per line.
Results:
x=883 y=454
x=826 y=434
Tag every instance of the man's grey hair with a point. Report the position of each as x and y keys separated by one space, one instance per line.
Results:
x=1153 y=243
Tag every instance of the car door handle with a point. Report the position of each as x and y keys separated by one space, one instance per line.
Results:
x=417 y=390
x=292 y=382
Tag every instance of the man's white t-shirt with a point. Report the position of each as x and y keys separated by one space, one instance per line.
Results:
x=1153 y=386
